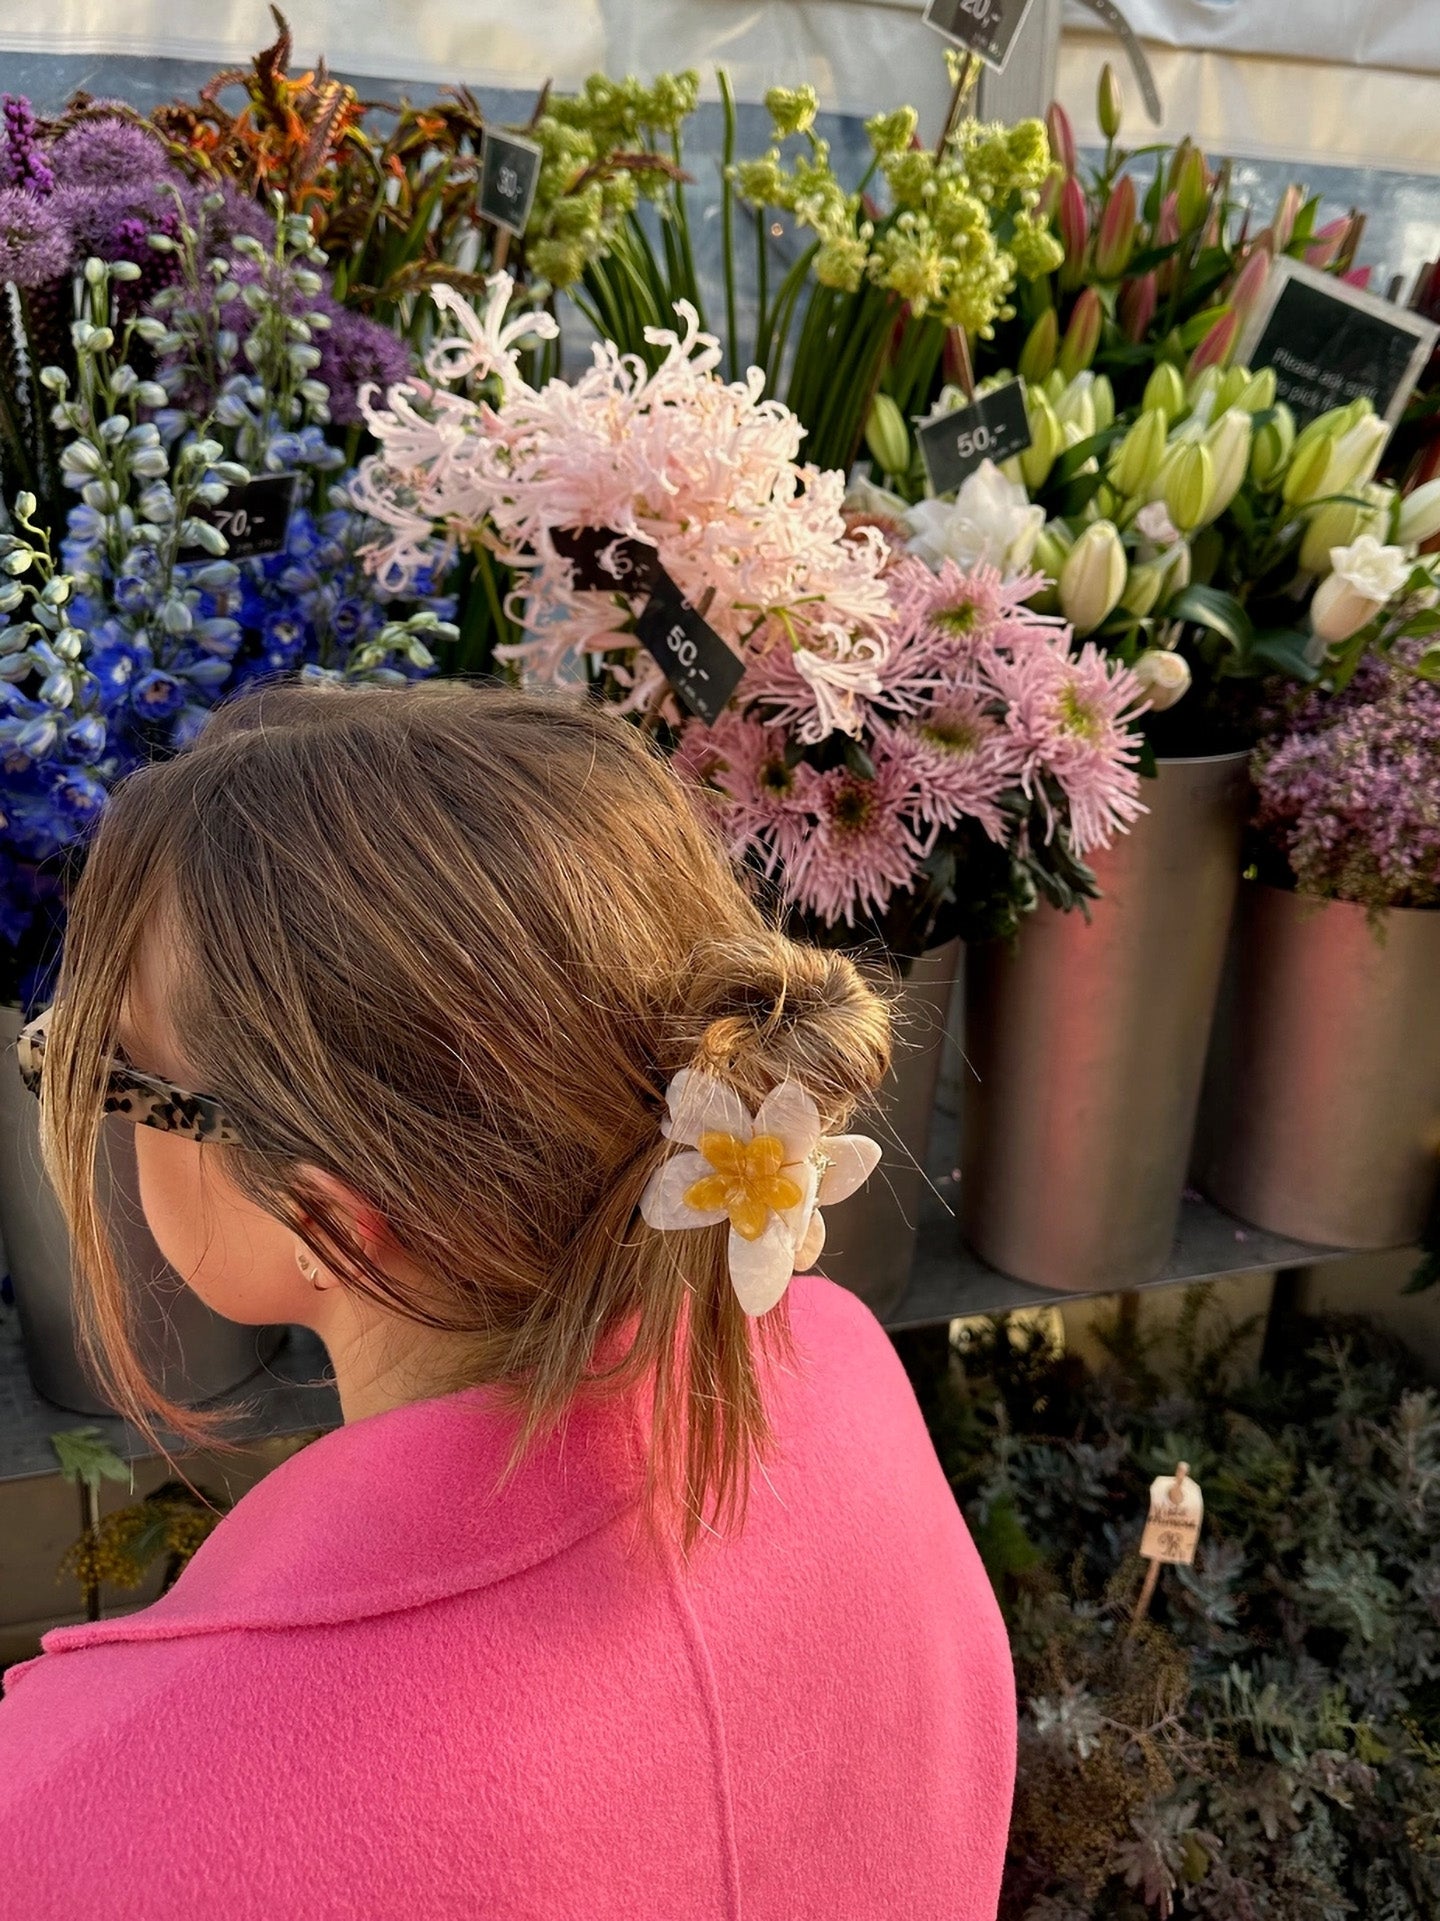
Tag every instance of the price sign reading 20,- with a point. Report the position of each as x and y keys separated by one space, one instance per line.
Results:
x=994 y=427
x=984 y=27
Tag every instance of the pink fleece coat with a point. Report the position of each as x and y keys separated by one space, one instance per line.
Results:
x=380 y=1693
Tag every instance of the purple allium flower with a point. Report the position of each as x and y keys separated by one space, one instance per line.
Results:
x=23 y=165
x=1349 y=797
x=35 y=242
x=353 y=351
x=105 y=152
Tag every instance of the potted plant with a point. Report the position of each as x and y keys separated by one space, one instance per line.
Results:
x=168 y=361
x=1200 y=538
x=900 y=755
x=1323 y=1106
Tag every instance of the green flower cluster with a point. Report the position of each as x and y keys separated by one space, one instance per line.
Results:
x=962 y=226
x=600 y=153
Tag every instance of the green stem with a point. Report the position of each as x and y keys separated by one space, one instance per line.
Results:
x=770 y=344
x=762 y=270
x=727 y=223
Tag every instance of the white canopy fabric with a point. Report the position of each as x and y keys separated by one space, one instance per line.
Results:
x=862 y=58
x=1346 y=82
x=1349 y=83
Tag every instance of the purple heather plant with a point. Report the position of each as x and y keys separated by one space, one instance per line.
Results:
x=22 y=161
x=1349 y=793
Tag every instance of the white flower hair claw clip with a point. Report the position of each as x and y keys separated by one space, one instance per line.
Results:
x=768 y=1174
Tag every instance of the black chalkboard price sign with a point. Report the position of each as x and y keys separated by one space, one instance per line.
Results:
x=255 y=519
x=604 y=561
x=509 y=175
x=1330 y=343
x=983 y=27
x=698 y=664
x=991 y=428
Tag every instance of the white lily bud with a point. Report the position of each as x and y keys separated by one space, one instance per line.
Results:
x=1419 y=516
x=1165 y=677
x=1093 y=577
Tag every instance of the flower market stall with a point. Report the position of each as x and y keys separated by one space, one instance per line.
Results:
x=1021 y=533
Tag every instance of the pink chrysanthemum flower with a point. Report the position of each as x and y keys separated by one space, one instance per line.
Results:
x=1072 y=715
x=962 y=759
x=757 y=786
x=861 y=844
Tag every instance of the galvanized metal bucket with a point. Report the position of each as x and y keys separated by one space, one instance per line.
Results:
x=1322 y=1102
x=870 y=1239
x=191 y=1352
x=1086 y=1044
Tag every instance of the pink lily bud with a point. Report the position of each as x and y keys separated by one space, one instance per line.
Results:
x=1074 y=223
x=1324 y=248
x=1249 y=282
x=1115 y=237
x=1167 y=227
x=1049 y=201
x=1286 y=214
x=1062 y=136
x=1217 y=346
x=1138 y=301
x=1357 y=277
x=1082 y=336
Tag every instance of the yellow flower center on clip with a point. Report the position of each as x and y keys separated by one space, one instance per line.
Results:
x=747 y=1182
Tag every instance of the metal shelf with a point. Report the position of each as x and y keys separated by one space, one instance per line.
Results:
x=948 y=1282
x=295 y=1392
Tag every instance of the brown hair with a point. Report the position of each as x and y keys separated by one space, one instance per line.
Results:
x=449 y=944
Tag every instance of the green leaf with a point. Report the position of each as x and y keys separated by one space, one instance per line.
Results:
x=1220 y=612
x=1282 y=649
x=1075 y=496
x=84 y=1455
x=1420 y=625
x=1070 y=463
x=1198 y=325
x=1428 y=665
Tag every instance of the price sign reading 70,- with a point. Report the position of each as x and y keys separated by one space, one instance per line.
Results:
x=984 y=27
x=254 y=519
x=991 y=428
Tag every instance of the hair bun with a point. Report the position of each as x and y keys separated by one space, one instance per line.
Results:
x=765 y=1009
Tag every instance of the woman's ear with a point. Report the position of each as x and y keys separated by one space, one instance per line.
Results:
x=362 y=1218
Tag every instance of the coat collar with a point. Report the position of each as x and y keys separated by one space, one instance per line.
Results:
x=391 y=1512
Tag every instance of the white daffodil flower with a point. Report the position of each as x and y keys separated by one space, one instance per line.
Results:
x=767 y=1174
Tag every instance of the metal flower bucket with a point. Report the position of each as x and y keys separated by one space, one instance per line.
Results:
x=870 y=1239
x=191 y=1352
x=1086 y=1044
x=1322 y=1103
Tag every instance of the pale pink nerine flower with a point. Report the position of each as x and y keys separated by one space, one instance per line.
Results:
x=704 y=471
x=1071 y=713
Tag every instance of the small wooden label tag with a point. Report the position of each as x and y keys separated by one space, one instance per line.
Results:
x=1177 y=1508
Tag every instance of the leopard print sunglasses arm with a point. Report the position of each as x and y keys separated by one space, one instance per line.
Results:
x=130 y=1095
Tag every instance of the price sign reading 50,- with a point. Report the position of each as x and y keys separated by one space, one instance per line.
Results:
x=986 y=28
x=994 y=427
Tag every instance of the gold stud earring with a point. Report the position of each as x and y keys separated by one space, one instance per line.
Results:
x=308 y=1268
